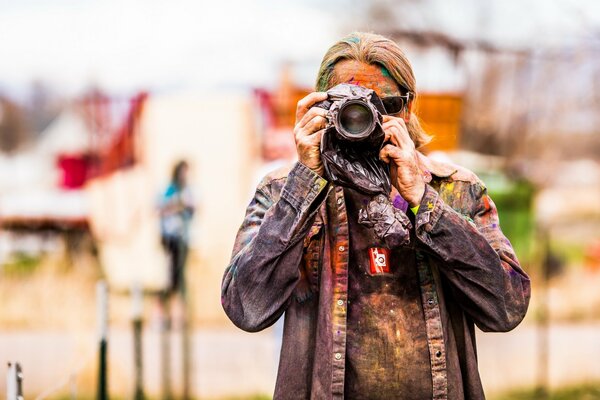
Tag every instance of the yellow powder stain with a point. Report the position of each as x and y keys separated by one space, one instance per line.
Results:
x=429 y=205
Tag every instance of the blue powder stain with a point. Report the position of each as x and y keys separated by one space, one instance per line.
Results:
x=354 y=39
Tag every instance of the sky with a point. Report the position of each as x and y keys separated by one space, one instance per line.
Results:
x=125 y=45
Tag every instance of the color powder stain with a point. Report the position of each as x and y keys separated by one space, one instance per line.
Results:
x=450 y=186
x=429 y=205
x=486 y=202
x=353 y=81
x=354 y=40
x=385 y=72
x=400 y=203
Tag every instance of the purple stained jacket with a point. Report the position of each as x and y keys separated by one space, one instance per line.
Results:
x=291 y=255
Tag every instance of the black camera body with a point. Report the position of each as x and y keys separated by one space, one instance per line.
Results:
x=353 y=138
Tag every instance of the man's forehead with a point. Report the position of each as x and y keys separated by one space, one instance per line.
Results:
x=371 y=76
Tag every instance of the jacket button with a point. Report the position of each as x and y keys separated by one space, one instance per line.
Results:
x=438 y=354
x=340 y=200
x=340 y=302
x=338 y=356
x=341 y=248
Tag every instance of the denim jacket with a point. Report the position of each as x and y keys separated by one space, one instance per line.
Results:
x=291 y=255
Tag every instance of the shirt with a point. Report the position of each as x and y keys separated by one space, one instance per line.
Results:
x=291 y=255
x=386 y=345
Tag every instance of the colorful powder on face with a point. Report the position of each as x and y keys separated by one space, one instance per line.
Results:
x=369 y=76
x=353 y=81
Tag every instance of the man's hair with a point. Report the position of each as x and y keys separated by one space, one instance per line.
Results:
x=374 y=49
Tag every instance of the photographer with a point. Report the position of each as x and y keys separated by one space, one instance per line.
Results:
x=381 y=287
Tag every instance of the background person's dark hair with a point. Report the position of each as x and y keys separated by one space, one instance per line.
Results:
x=176 y=177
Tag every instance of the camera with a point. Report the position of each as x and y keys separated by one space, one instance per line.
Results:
x=353 y=138
x=355 y=116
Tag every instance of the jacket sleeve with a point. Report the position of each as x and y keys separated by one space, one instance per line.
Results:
x=478 y=261
x=264 y=267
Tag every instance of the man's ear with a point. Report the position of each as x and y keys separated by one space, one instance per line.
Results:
x=407 y=111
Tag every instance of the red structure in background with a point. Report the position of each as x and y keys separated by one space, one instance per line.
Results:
x=114 y=125
x=75 y=171
x=95 y=136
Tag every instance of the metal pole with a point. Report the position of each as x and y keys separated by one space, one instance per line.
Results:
x=137 y=320
x=14 y=382
x=186 y=342
x=165 y=339
x=102 y=310
x=543 y=324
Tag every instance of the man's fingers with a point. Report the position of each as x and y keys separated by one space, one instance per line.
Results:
x=316 y=124
x=311 y=141
x=392 y=134
x=317 y=137
x=385 y=154
x=307 y=102
x=310 y=114
x=397 y=133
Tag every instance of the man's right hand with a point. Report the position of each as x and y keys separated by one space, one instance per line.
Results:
x=309 y=129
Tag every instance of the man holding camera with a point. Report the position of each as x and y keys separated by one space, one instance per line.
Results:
x=382 y=276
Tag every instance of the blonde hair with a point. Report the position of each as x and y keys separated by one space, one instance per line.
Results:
x=374 y=49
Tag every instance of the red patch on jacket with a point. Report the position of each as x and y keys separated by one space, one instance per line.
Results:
x=380 y=260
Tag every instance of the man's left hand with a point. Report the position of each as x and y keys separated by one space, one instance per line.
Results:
x=400 y=153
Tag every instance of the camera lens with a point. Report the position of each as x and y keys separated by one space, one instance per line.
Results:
x=356 y=119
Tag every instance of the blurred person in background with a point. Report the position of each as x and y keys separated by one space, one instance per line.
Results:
x=379 y=310
x=176 y=212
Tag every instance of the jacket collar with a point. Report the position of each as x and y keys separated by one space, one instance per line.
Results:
x=437 y=168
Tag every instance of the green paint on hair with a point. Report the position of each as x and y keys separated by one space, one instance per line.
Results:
x=385 y=72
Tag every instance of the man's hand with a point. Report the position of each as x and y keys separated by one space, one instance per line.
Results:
x=400 y=153
x=308 y=132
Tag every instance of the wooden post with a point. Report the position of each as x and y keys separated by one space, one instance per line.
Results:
x=137 y=320
x=102 y=314
x=14 y=381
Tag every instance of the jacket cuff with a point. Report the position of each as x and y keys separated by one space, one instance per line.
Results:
x=302 y=187
x=430 y=210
